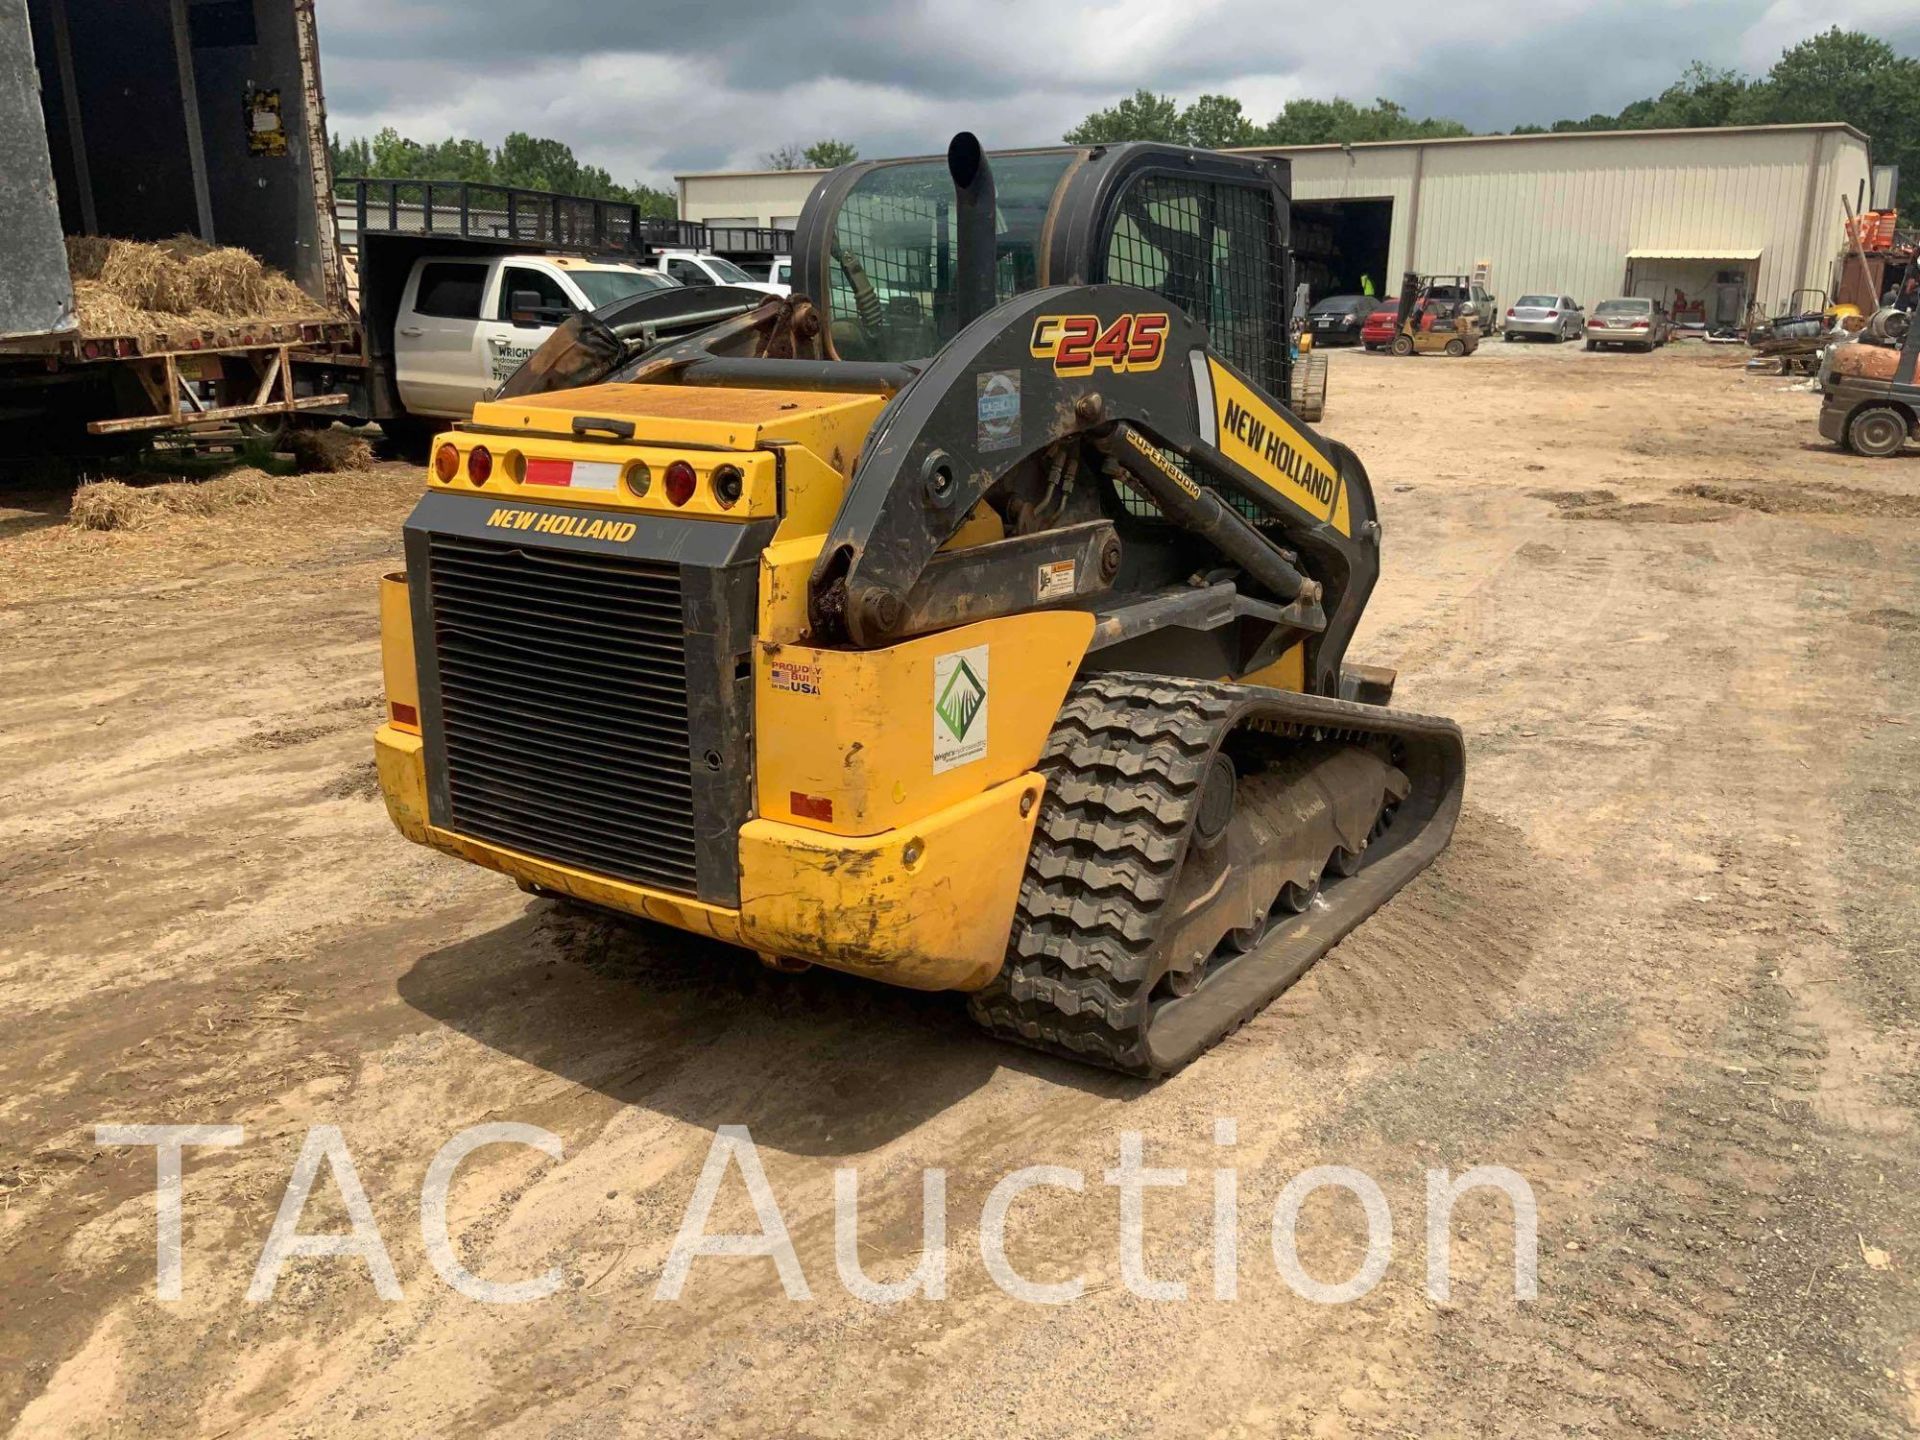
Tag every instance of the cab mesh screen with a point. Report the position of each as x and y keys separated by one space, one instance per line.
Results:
x=1214 y=250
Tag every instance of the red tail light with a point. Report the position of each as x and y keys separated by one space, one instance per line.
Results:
x=479 y=464
x=1553 y=314
x=1642 y=325
x=1509 y=312
x=679 y=482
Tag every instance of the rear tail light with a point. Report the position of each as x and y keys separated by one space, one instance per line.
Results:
x=479 y=464
x=639 y=477
x=728 y=482
x=1642 y=325
x=1509 y=312
x=446 y=463
x=1551 y=314
x=679 y=482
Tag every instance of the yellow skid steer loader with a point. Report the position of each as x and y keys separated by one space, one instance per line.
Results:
x=974 y=618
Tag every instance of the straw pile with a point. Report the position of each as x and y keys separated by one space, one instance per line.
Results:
x=115 y=505
x=178 y=286
x=328 y=451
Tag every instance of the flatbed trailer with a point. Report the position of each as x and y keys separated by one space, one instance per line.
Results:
x=146 y=120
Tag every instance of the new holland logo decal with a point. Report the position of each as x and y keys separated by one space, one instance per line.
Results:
x=959 y=707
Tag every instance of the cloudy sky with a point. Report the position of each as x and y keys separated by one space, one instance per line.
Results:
x=667 y=86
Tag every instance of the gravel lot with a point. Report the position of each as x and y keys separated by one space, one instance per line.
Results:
x=1666 y=973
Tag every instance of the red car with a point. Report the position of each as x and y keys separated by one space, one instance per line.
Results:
x=1377 y=332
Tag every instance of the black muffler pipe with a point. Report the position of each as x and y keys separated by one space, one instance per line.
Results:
x=979 y=227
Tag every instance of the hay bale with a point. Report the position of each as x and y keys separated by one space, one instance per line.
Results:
x=116 y=505
x=328 y=451
x=106 y=505
x=174 y=287
x=86 y=254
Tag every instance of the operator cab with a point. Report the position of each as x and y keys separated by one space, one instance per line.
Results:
x=879 y=245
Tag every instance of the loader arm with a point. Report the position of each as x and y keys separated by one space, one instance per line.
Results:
x=1114 y=379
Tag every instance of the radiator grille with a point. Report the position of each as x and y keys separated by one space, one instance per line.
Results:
x=563 y=707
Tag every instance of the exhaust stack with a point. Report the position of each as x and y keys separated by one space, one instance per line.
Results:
x=979 y=227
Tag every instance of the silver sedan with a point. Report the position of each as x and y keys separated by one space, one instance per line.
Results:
x=1554 y=316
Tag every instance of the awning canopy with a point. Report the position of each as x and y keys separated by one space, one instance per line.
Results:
x=1682 y=252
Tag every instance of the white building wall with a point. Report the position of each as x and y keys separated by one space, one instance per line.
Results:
x=752 y=197
x=1550 y=212
x=1562 y=213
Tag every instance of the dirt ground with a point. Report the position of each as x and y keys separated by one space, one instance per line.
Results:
x=1666 y=973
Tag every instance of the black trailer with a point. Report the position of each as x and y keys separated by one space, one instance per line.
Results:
x=149 y=119
x=144 y=120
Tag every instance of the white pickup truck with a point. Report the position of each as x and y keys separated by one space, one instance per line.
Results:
x=466 y=322
x=695 y=267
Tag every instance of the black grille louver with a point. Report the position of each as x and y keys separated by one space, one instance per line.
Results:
x=563 y=701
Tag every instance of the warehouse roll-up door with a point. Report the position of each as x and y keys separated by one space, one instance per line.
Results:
x=1337 y=242
x=1709 y=287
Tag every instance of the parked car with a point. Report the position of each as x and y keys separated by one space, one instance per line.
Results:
x=1470 y=295
x=466 y=322
x=1557 y=317
x=1337 y=319
x=780 y=274
x=692 y=267
x=1632 y=321
x=1377 y=333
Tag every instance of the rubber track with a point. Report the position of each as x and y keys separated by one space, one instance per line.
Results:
x=1124 y=767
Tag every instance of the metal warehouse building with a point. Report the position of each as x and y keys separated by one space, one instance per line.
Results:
x=1716 y=216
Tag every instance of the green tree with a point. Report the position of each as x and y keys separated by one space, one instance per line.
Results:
x=1216 y=122
x=828 y=154
x=1702 y=96
x=350 y=157
x=1141 y=116
x=394 y=155
x=528 y=161
x=1336 y=121
x=1845 y=75
x=788 y=157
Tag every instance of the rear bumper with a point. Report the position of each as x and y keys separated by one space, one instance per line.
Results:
x=927 y=906
x=1533 y=327
x=1833 y=420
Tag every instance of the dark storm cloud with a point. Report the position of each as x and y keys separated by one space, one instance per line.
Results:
x=652 y=90
x=1587 y=64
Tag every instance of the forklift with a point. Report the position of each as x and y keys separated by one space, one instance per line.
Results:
x=1869 y=394
x=1437 y=316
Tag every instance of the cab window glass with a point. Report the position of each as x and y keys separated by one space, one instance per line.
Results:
x=552 y=297
x=892 y=286
x=687 y=273
x=451 y=290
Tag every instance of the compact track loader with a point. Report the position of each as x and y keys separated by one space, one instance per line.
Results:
x=974 y=618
